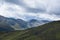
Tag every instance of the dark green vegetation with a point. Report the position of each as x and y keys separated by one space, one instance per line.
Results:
x=49 y=31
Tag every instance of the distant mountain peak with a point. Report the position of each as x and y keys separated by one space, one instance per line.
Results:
x=19 y=24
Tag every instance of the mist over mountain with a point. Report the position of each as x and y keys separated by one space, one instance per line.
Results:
x=19 y=24
x=35 y=22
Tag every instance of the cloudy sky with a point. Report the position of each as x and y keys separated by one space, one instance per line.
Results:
x=31 y=9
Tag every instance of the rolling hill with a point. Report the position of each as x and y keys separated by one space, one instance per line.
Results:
x=49 y=31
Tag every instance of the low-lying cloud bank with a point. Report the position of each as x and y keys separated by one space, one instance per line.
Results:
x=31 y=9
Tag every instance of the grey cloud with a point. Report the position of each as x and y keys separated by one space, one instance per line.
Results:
x=55 y=12
x=35 y=10
x=55 y=8
x=28 y=9
x=18 y=2
x=13 y=1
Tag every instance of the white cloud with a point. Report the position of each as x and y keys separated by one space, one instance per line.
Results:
x=17 y=11
x=11 y=10
x=44 y=16
x=36 y=3
x=48 y=16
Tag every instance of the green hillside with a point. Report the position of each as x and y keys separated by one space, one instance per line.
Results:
x=49 y=31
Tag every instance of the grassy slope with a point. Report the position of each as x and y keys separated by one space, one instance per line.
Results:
x=50 y=31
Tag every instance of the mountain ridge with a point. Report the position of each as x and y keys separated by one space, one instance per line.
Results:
x=19 y=24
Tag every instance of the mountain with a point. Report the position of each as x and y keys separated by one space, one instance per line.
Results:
x=49 y=31
x=35 y=22
x=19 y=24
x=4 y=26
x=12 y=24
